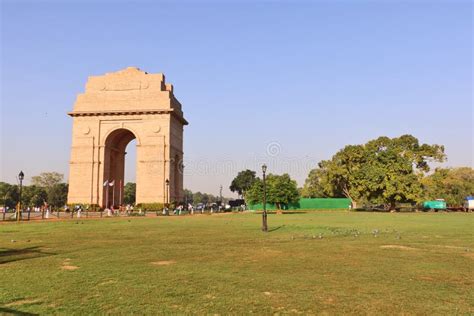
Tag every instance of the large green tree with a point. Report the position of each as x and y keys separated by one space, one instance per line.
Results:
x=34 y=195
x=255 y=192
x=47 y=179
x=342 y=175
x=57 y=195
x=56 y=190
x=453 y=185
x=385 y=170
x=243 y=182
x=8 y=195
x=314 y=185
x=281 y=190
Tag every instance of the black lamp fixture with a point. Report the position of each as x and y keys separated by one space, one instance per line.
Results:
x=167 y=193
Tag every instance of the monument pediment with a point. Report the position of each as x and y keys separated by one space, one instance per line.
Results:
x=126 y=90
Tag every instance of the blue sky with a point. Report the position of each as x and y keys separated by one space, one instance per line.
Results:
x=287 y=83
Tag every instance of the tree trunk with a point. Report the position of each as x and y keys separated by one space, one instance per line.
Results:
x=345 y=191
x=392 y=207
x=278 y=210
x=353 y=204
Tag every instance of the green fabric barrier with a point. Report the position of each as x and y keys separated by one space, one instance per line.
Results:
x=309 y=204
x=435 y=205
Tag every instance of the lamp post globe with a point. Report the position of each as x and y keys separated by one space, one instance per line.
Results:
x=21 y=176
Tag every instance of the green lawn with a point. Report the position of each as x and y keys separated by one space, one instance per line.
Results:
x=322 y=262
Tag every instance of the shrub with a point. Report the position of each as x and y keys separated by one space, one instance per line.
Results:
x=150 y=207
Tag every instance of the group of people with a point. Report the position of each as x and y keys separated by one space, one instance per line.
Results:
x=17 y=212
x=180 y=209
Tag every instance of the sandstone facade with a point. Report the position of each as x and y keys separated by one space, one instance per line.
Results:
x=115 y=109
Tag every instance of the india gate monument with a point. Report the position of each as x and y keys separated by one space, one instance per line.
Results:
x=116 y=108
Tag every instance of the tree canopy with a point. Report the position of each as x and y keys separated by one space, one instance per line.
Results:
x=34 y=195
x=453 y=185
x=385 y=170
x=47 y=179
x=314 y=186
x=281 y=190
x=255 y=193
x=204 y=198
x=8 y=194
x=242 y=182
x=57 y=195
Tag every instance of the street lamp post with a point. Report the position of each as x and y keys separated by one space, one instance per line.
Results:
x=167 y=195
x=264 y=214
x=21 y=176
x=221 y=205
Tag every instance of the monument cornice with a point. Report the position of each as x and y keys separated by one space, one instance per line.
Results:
x=129 y=112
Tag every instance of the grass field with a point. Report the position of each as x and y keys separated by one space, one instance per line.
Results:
x=322 y=262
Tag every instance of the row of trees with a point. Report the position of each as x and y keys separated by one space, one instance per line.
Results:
x=48 y=188
x=198 y=197
x=129 y=196
x=281 y=189
x=451 y=184
x=389 y=171
x=382 y=171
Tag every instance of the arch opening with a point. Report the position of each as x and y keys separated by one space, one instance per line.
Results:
x=130 y=181
x=114 y=166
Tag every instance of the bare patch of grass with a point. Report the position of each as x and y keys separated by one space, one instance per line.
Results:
x=26 y=301
x=68 y=266
x=399 y=247
x=469 y=255
x=106 y=282
x=163 y=262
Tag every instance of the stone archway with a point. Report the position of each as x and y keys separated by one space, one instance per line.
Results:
x=114 y=164
x=115 y=109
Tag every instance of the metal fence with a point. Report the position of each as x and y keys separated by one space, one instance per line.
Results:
x=55 y=215
x=25 y=215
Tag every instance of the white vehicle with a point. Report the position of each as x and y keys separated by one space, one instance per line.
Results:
x=469 y=203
